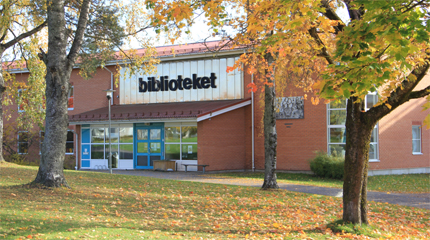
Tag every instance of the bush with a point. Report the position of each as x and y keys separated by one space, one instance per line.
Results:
x=328 y=166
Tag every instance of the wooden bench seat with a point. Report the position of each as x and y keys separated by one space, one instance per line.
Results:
x=197 y=165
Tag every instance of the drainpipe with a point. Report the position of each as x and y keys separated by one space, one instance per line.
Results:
x=252 y=129
x=111 y=83
x=76 y=151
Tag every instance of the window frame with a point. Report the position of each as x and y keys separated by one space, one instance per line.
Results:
x=418 y=139
x=19 y=100
x=18 y=143
x=340 y=126
x=71 y=90
x=116 y=147
x=180 y=143
x=72 y=153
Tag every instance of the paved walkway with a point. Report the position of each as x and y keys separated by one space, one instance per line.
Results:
x=421 y=200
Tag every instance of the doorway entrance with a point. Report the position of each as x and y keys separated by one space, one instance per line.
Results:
x=149 y=146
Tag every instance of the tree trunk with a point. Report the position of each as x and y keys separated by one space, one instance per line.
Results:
x=358 y=132
x=364 y=209
x=58 y=73
x=270 y=135
x=2 y=89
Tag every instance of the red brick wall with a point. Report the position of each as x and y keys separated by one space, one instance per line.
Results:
x=298 y=143
x=221 y=142
x=395 y=136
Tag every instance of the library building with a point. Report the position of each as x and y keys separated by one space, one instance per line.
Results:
x=192 y=115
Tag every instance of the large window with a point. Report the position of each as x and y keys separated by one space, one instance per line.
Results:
x=70 y=104
x=336 y=131
x=416 y=139
x=70 y=142
x=181 y=142
x=121 y=137
x=22 y=142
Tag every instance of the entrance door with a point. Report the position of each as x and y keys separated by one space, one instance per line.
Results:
x=149 y=146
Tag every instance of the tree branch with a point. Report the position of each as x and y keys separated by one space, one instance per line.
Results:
x=421 y=93
x=330 y=14
x=324 y=52
x=403 y=93
x=79 y=34
x=413 y=6
x=24 y=35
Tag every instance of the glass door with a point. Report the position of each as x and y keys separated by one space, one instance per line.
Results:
x=149 y=146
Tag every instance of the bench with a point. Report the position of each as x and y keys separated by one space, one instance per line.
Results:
x=197 y=165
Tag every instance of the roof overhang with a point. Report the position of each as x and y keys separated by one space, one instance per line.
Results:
x=159 y=112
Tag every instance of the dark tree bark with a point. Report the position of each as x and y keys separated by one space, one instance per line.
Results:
x=358 y=132
x=359 y=126
x=58 y=70
x=270 y=135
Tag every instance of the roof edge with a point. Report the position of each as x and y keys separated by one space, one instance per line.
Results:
x=224 y=109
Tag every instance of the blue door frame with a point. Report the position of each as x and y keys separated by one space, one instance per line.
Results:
x=148 y=144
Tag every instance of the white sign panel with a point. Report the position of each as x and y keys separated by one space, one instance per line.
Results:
x=185 y=81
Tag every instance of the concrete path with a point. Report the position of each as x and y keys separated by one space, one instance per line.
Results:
x=421 y=200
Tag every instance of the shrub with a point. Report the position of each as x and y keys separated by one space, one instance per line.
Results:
x=328 y=166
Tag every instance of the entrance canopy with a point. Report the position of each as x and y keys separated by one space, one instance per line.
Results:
x=197 y=111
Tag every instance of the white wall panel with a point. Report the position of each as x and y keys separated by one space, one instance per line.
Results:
x=228 y=85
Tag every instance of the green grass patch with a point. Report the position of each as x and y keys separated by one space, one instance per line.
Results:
x=104 y=206
x=408 y=183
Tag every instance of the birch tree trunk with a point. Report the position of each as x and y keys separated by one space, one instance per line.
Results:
x=270 y=135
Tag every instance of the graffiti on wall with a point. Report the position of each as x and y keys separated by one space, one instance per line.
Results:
x=289 y=108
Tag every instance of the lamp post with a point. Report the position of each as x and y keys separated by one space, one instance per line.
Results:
x=109 y=95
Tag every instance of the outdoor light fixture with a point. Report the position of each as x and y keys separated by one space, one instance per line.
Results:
x=109 y=95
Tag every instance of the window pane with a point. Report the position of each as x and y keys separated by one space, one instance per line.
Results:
x=70 y=100
x=373 y=151
x=142 y=147
x=416 y=133
x=189 y=151
x=338 y=104
x=172 y=134
x=97 y=151
x=155 y=134
x=114 y=134
x=338 y=149
x=97 y=135
x=23 y=147
x=337 y=135
x=126 y=151
x=374 y=137
x=142 y=161
x=126 y=135
x=416 y=146
x=142 y=134
x=155 y=147
x=69 y=147
x=173 y=151
x=371 y=100
x=189 y=134
x=337 y=117
x=70 y=136
x=114 y=149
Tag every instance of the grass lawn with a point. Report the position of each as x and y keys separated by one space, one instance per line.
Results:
x=408 y=183
x=103 y=206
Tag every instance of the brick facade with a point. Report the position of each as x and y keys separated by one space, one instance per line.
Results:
x=225 y=141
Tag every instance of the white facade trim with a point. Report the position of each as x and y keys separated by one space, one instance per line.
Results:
x=398 y=171
x=224 y=110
